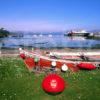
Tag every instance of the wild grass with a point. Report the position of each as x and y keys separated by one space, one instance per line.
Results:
x=17 y=83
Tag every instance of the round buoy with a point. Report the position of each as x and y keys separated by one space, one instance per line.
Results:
x=53 y=83
x=22 y=55
x=64 y=68
x=53 y=63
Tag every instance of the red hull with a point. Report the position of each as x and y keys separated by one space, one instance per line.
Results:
x=29 y=62
x=47 y=63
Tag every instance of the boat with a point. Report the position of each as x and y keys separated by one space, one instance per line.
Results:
x=46 y=62
x=62 y=64
x=78 y=33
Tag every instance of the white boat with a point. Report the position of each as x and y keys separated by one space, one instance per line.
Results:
x=78 y=33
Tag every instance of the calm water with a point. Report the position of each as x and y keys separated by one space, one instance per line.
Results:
x=47 y=41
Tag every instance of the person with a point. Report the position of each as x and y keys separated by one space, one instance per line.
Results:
x=83 y=57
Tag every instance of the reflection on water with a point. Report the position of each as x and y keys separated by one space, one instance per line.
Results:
x=47 y=41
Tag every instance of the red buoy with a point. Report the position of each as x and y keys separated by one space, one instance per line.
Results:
x=22 y=55
x=87 y=66
x=53 y=83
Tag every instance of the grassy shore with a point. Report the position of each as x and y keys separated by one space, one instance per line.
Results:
x=17 y=83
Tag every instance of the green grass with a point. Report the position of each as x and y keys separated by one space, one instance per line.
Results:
x=17 y=83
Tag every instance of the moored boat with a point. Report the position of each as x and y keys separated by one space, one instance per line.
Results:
x=45 y=61
x=78 y=33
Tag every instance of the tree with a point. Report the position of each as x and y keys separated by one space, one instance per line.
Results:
x=4 y=33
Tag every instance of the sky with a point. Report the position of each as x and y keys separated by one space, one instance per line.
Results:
x=49 y=15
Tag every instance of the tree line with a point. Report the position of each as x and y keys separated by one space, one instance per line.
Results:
x=4 y=33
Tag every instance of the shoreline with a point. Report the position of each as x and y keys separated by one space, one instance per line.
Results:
x=15 y=52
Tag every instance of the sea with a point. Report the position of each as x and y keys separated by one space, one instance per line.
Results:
x=47 y=40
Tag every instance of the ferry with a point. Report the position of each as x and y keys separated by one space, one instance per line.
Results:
x=78 y=33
